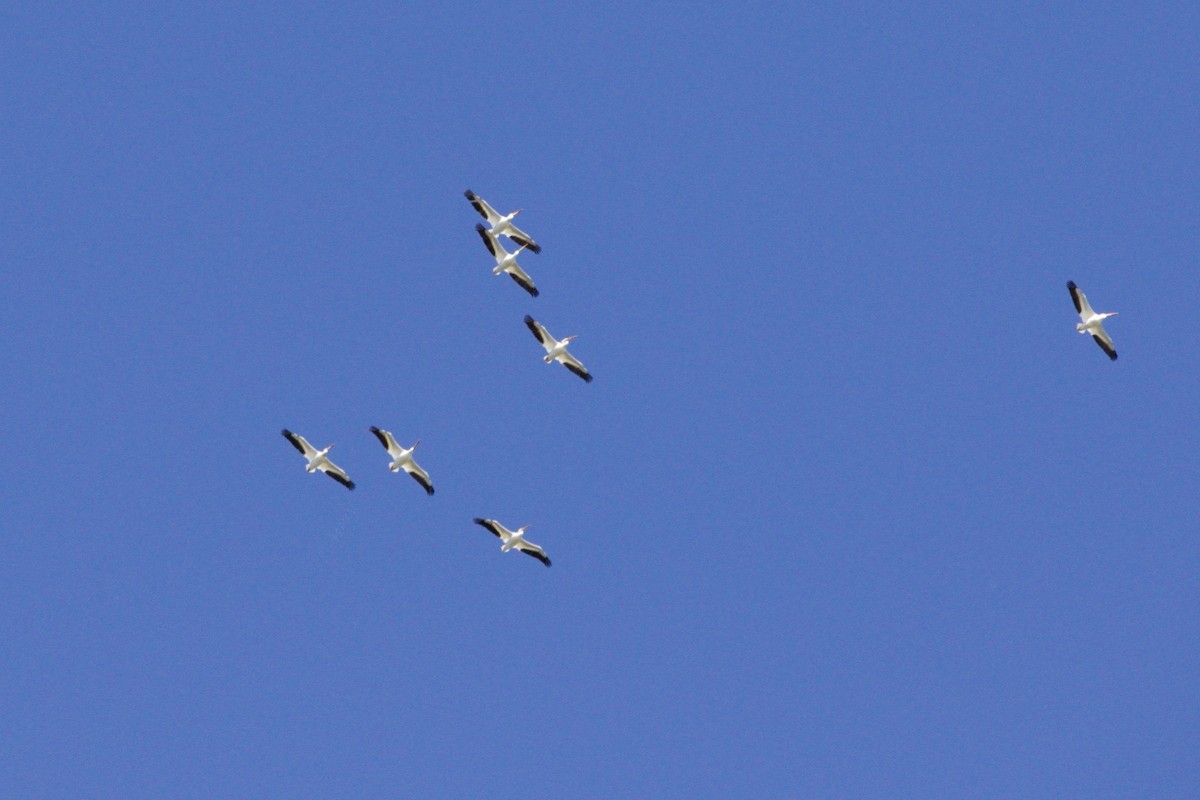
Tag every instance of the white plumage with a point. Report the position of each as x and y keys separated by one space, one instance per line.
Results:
x=318 y=459
x=402 y=458
x=1091 y=322
x=513 y=539
x=556 y=350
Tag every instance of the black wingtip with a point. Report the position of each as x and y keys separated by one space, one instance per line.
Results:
x=379 y=435
x=1071 y=285
x=587 y=376
x=428 y=487
x=528 y=321
x=469 y=194
x=480 y=521
x=291 y=437
x=487 y=239
x=529 y=287
x=532 y=247
x=349 y=484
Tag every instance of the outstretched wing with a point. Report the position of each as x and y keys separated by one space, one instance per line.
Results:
x=1101 y=337
x=336 y=472
x=387 y=440
x=1080 y=299
x=523 y=280
x=535 y=551
x=572 y=363
x=492 y=246
x=485 y=211
x=520 y=237
x=491 y=525
x=419 y=475
x=538 y=330
x=300 y=443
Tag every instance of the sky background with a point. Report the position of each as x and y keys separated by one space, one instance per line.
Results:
x=850 y=509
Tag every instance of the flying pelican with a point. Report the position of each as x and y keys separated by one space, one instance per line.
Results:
x=502 y=225
x=318 y=459
x=402 y=459
x=1092 y=322
x=506 y=261
x=513 y=539
x=556 y=350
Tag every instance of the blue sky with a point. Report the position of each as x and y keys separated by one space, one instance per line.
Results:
x=850 y=509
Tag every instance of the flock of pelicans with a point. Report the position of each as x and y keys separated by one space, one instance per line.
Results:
x=1090 y=322
x=556 y=350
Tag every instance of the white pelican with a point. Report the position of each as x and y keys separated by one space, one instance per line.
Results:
x=513 y=539
x=318 y=459
x=502 y=224
x=556 y=350
x=402 y=459
x=1091 y=321
x=506 y=261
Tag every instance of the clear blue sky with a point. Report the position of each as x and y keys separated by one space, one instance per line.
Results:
x=850 y=509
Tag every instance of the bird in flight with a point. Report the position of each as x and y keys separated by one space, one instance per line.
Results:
x=513 y=539
x=1091 y=322
x=556 y=350
x=502 y=224
x=318 y=459
x=506 y=261
x=402 y=458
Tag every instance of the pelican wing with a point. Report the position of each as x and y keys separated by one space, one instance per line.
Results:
x=540 y=332
x=520 y=237
x=481 y=205
x=490 y=241
x=419 y=475
x=530 y=549
x=1106 y=344
x=388 y=441
x=572 y=363
x=523 y=280
x=491 y=525
x=336 y=472
x=300 y=443
x=1081 y=301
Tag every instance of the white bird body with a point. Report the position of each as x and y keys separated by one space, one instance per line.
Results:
x=318 y=459
x=1091 y=322
x=556 y=350
x=506 y=261
x=511 y=540
x=502 y=224
x=402 y=458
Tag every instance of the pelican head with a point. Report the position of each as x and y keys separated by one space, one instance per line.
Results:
x=521 y=530
x=571 y=338
x=414 y=447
